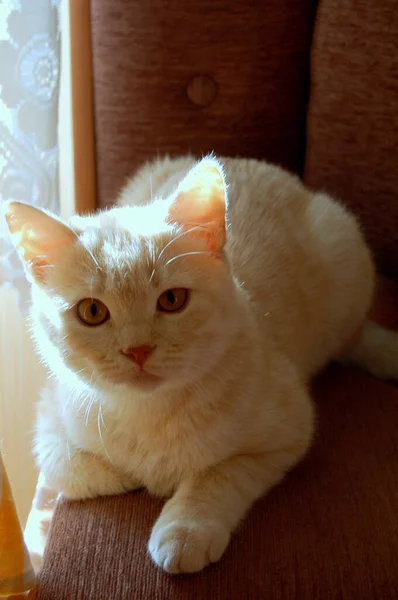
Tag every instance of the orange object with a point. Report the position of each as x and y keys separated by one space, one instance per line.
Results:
x=16 y=572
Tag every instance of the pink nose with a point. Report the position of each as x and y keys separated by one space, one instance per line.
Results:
x=139 y=354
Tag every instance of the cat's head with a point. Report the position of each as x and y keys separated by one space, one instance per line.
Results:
x=138 y=296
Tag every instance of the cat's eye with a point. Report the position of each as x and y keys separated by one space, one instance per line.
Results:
x=92 y=312
x=173 y=300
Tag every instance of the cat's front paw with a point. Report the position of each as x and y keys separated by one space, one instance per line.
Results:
x=187 y=545
x=84 y=475
x=80 y=485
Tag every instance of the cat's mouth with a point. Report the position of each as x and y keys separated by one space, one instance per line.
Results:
x=141 y=380
x=145 y=380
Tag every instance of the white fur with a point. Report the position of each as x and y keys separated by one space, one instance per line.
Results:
x=231 y=413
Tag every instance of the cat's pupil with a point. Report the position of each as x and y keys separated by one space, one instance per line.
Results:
x=170 y=297
x=94 y=310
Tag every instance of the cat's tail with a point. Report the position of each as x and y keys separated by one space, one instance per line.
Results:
x=375 y=350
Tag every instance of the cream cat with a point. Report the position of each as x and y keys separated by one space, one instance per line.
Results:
x=181 y=337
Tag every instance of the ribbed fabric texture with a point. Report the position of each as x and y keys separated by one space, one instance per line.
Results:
x=353 y=115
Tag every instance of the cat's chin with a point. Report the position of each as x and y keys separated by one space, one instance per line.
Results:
x=146 y=381
x=143 y=382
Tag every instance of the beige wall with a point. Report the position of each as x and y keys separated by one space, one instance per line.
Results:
x=21 y=377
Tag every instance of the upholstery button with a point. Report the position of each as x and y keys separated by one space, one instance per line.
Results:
x=202 y=90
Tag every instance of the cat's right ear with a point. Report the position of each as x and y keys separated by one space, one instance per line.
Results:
x=199 y=203
x=40 y=238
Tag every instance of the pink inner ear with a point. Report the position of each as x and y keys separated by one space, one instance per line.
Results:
x=200 y=201
x=39 y=238
x=38 y=269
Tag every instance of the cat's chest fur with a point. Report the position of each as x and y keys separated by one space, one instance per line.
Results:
x=156 y=452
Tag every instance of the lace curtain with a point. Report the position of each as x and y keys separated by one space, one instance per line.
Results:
x=29 y=86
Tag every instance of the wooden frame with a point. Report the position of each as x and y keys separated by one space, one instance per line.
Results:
x=76 y=129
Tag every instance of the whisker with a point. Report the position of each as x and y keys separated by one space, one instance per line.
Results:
x=152 y=258
x=82 y=404
x=93 y=257
x=102 y=417
x=185 y=254
x=100 y=435
x=80 y=370
x=88 y=411
x=174 y=239
x=68 y=448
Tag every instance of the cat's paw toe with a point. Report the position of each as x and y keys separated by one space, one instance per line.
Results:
x=187 y=546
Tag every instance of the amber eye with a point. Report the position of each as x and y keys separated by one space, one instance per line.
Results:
x=92 y=312
x=173 y=300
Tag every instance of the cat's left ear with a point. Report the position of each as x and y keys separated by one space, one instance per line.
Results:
x=39 y=238
x=199 y=204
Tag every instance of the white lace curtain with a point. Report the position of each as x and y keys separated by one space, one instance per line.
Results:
x=29 y=89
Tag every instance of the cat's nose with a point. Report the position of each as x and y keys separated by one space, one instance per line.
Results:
x=139 y=354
